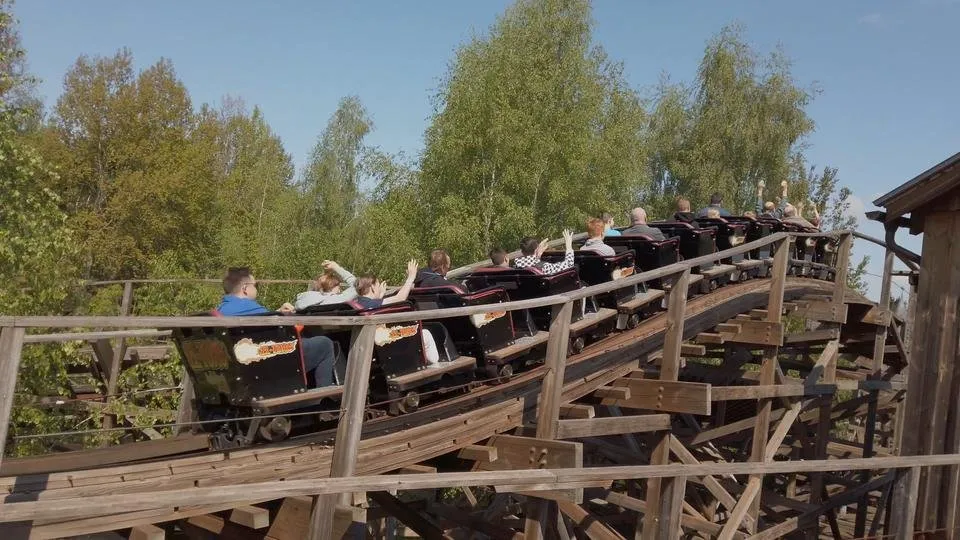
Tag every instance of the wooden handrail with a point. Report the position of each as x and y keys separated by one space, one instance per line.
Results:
x=508 y=480
x=354 y=320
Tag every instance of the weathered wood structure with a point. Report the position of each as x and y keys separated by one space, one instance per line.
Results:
x=930 y=204
x=762 y=409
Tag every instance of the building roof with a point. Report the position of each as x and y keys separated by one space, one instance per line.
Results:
x=925 y=188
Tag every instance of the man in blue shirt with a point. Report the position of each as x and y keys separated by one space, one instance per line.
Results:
x=240 y=298
x=608 y=229
x=716 y=201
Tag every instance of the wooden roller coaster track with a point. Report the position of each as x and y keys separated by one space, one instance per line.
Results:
x=697 y=420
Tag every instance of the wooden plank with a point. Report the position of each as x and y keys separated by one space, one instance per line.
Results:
x=11 y=345
x=147 y=532
x=757 y=333
x=709 y=482
x=94 y=336
x=531 y=479
x=612 y=392
x=551 y=390
x=640 y=300
x=118 y=352
x=522 y=345
x=591 y=320
x=637 y=505
x=709 y=338
x=292 y=519
x=207 y=526
x=352 y=409
x=480 y=453
x=417 y=469
x=617 y=425
x=576 y=410
x=251 y=516
x=676 y=310
x=692 y=349
x=729 y=393
x=741 y=509
x=517 y=453
x=548 y=404
x=437 y=371
x=669 y=396
x=906 y=493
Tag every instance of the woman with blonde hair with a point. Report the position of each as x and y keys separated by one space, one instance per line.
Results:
x=327 y=288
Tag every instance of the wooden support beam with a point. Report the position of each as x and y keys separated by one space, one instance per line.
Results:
x=11 y=345
x=757 y=333
x=709 y=482
x=741 y=509
x=591 y=526
x=730 y=393
x=617 y=425
x=906 y=491
x=709 y=338
x=118 y=352
x=479 y=453
x=408 y=516
x=612 y=392
x=548 y=407
x=251 y=516
x=692 y=349
x=516 y=453
x=352 y=409
x=147 y=532
x=665 y=395
x=576 y=410
x=417 y=469
x=686 y=520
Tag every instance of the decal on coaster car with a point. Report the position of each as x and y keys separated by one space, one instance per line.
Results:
x=385 y=335
x=248 y=352
x=620 y=273
x=481 y=319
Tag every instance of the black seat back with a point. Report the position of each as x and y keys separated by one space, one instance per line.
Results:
x=694 y=241
x=473 y=335
x=650 y=254
x=232 y=366
x=594 y=269
x=730 y=234
x=524 y=284
x=398 y=347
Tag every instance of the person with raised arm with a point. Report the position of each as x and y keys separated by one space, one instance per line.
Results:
x=531 y=249
x=371 y=292
x=769 y=208
x=328 y=287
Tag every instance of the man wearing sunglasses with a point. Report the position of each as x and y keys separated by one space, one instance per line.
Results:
x=240 y=298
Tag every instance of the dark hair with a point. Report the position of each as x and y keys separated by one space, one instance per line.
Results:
x=498 y=256
x=365 y=283
x=234 y=279
x=716 y=198
x=528 y=246
x=439 y=260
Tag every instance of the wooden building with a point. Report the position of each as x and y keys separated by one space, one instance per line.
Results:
x=930 y=204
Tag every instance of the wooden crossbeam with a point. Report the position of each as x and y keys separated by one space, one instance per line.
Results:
x=617 y=425
x=479 y=453
x=659 y=395
x=251 y=516
x=576 y=410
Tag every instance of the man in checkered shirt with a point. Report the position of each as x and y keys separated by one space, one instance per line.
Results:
x=531 y=250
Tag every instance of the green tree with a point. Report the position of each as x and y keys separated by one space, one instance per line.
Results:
x=739 y=123
x=332 y=180
x=136 y=173
x=534 y=130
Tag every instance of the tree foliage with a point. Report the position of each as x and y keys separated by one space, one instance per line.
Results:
x=535 y=129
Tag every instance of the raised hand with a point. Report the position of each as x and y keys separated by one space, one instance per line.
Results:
x=287 y=308
x=542 y=247
x=568 y=238
x=329 y=265
x=411 y=270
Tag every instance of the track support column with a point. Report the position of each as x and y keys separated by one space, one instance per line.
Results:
x=11 y=345
x=548 y=408
x=352 y=410
x=664 y=497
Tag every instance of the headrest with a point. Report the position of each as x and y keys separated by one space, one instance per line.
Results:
x=671 y=225
x=439 y=289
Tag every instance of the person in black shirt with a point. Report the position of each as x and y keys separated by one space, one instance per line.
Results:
x=435 y=274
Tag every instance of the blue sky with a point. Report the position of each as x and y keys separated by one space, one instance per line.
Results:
x=887 y=69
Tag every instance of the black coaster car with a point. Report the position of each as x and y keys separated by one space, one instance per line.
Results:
x=475 y=335
x=729 y=234
x=755 y=230
x=525 y=284
x=244 y=367
x=694 y=241
x=398 y=348
x=650 y=254
x=594 y=269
